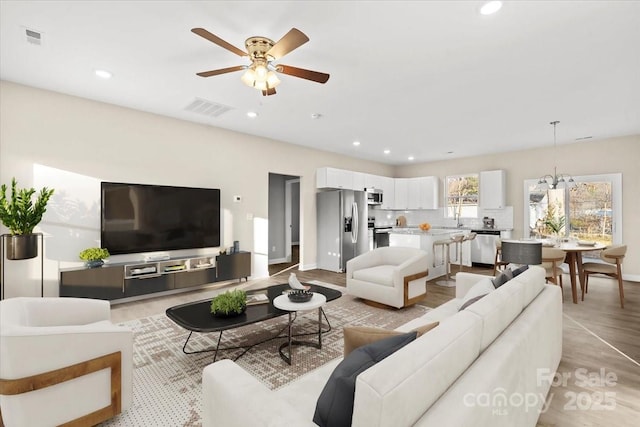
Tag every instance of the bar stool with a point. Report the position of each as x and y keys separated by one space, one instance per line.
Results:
x=466 y=238
x=444 y=253
x=445 y=244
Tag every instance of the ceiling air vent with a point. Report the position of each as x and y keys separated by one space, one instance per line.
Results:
x=207 y=108
x=33 y=37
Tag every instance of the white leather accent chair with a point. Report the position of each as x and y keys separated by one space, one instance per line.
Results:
x=62 y=361
x=392 y=276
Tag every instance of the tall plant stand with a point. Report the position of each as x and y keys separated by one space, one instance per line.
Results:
x=3 y=251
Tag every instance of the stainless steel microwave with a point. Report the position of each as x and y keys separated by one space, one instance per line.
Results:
x=374 y=196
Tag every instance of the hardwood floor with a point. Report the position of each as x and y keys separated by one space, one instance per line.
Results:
x=601 y=346
x=295 y=259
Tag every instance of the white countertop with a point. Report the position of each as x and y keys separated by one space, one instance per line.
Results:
x=431 y=232
x=435 y=230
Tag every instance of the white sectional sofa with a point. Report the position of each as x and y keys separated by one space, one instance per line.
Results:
x=488 y=365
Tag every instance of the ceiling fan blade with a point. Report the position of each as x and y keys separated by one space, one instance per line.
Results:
x=270 y=91
x=217 y=40
x=315 y=76
x=290 y=41
x=221 y=71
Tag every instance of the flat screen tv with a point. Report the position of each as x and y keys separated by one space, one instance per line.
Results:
x=146 y=218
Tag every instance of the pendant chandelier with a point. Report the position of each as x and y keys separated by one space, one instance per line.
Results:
x=557 y=180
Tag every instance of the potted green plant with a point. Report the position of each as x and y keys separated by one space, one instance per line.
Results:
x=94 y=257
x=229 y=304
x=20 y=214
x=554 y=223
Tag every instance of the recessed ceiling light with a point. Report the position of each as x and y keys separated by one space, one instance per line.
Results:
x=490 y=7
x=356 y=143
x=449 y=152
x=410 y=158
x=387 y=151
x=315 y=116
x=103 y=74
x=252 y=114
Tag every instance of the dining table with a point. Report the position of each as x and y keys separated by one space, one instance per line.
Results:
x=574 y=252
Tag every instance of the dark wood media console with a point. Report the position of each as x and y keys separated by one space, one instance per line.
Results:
x=125 y=280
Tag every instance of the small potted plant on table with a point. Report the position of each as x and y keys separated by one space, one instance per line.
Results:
x=229 y=304
x=94 y=257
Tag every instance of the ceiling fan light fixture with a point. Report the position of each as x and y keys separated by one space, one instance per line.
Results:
x=261 y=72
x=249 y=77
x=260 y=85
x=272 y=79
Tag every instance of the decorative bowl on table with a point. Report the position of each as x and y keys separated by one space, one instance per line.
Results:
x=300 y=295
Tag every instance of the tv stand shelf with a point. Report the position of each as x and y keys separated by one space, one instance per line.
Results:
x=124 y=280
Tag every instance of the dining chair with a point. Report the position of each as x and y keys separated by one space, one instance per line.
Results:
x=498 y=263
x=552 y=259
x=612 y=267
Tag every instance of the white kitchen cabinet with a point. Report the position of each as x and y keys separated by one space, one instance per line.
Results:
x=401 y=193
x=492 y=189
x=416 y=193
x=334 y=178
x=424 y=192
x=372 y=181
x=359 y=181
x=387 y=186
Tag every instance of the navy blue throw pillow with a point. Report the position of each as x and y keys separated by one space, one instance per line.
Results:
x=502 y=278
x=335 y=404
x=520 y=270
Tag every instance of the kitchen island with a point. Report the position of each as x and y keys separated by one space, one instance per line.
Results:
x=416 y=238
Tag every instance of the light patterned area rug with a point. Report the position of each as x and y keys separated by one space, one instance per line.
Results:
x=167 y=383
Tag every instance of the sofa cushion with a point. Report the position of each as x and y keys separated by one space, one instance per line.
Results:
x=438 y=314
x=380 y=274
x=401 y=388
x=357 y=336
x=335 y=404
x=497 y=310
x=483 y=287
x=468 y=302
x=533 y=281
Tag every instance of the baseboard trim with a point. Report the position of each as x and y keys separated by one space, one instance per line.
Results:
x=631 y=277
x=306 y=267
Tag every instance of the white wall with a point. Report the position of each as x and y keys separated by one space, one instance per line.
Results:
x=70 y=144
x=615 y=155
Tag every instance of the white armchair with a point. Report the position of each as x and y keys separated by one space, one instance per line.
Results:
x=62 y=360
x=393 y=276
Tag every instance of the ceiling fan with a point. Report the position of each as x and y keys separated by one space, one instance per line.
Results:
x=261 y=74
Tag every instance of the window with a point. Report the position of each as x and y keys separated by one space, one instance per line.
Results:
x=461 y=196
x=590 y=210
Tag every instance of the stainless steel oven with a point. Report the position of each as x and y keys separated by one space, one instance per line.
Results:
x=381 y=236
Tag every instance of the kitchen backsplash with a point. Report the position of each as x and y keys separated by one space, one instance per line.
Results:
x=503 y=217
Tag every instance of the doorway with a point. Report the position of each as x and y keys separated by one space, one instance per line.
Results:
x=284 y=222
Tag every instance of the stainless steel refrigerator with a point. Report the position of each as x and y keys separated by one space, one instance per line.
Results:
x=342 y=228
